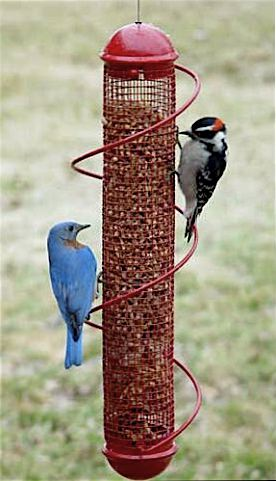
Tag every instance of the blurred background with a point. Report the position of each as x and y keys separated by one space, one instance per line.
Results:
x=224 y=309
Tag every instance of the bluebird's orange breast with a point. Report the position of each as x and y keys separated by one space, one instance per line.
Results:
x=74 y=244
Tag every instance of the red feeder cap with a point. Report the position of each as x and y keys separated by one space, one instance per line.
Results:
x=139 y=43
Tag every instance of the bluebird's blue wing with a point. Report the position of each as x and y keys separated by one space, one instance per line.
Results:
x=59 y=286
x=81 y=284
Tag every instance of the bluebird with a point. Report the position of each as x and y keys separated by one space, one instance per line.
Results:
x=73 y=269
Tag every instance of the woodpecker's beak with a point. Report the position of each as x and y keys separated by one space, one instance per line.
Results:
x=83 y=226
x=185 y=132
x=189 y=133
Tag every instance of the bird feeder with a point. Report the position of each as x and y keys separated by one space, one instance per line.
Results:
x=139 y=110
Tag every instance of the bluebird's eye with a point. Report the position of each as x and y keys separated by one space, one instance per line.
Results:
x=71 y=228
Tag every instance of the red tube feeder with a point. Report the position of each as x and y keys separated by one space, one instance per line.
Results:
x=138 y=250
x=138 y=245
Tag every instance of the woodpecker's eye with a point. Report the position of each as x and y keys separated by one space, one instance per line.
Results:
x=71 y=228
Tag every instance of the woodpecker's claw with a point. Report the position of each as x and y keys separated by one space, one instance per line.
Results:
x=177 y=138
x=173 y=172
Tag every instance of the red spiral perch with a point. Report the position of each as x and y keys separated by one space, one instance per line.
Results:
x=139 y=114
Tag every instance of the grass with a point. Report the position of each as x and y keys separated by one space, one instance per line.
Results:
x=51 y=111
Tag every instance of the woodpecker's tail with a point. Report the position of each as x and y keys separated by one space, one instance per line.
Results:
x=190 y=224
x=73 y=353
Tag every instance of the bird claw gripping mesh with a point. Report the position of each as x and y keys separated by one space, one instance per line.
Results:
x=138 y=253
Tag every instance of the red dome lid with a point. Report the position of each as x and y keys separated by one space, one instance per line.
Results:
x=139 y=43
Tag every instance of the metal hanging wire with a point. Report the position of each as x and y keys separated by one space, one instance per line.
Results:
x=138 y=12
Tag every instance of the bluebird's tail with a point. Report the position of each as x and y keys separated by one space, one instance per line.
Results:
x=73 y=355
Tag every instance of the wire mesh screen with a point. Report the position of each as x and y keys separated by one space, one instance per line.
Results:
x=138 y=246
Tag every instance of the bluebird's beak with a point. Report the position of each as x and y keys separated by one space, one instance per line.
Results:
x=83 y=226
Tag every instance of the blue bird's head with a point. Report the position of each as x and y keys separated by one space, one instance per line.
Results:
x=66 y=231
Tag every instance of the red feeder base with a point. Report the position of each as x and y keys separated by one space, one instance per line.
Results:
x=143 y=466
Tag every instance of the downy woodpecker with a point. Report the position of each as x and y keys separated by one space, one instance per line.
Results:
x=202 y=163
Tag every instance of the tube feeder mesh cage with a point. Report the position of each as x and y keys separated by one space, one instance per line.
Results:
x=138 y=248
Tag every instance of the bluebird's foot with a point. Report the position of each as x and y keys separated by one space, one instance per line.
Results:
x=99 y=281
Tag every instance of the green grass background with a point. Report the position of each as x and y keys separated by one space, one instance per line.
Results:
x=225 y=329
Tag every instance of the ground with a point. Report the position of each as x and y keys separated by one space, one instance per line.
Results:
x=51 y=112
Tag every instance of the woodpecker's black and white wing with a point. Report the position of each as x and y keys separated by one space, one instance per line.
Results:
x=206 y=181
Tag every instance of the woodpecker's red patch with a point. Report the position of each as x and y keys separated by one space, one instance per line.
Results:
x=218 y=125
